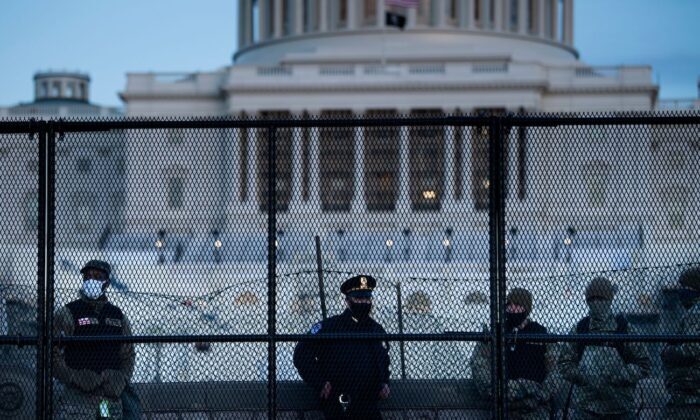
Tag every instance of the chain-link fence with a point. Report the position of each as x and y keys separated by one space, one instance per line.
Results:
x=229 y=241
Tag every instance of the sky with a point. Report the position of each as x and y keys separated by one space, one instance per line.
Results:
x=110 y=38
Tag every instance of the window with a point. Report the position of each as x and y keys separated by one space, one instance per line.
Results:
x=176 y=136
x=283 y=138
x=337 y=160
x=83 y=91
x=311 y=15
x=31 y=211
x=381 y=164
x=83 y=212
x=243 y=158
x=596 y=175
x=55 y=89
x=480 y=182
x=548 y=28
x=176 y=185
x=513 y=17
x=426 y=163
x=423 y=13
x=287 y=16
x=71 y=91
x=522 y=162
x=270 y=7
x=342 y=13
x=44 y=89
x=369 y=12
x=305 y=160
x=83 y=165
x=677 y=198
x=452 y=12
x=531 y=16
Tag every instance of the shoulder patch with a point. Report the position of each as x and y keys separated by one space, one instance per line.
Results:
x=316 y=328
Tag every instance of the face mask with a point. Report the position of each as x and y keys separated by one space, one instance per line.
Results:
x=360 y=311
x=688 y=297
x=513 y=320
x=599 y=308
x=92 y=289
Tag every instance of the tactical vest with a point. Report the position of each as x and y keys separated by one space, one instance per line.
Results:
x=584 y=327
x=95 y=355
x=527 y=360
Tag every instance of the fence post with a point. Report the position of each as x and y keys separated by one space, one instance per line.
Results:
x=497 y=265
x=271 y=271
x=46 y=189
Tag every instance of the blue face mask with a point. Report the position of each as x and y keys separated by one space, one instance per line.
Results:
x=688 y=297
x=93 y=289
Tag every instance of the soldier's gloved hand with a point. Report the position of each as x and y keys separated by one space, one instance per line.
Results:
x=114 y=383
x=326 y=391
x=384 y=392
x=85 y=379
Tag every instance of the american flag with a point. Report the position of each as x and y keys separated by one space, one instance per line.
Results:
x=402 y=3
x=84 y=321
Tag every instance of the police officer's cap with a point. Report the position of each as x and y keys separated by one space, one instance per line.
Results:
x=97 y=265
x=359 y=286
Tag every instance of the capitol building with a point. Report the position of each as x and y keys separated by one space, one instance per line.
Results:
x=403 y=193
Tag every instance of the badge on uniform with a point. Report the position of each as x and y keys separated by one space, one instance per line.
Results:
x=88 y=321
x=112 y=322
x=316 y=328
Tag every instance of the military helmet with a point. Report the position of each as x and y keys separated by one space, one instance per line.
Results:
x=600 y=287
x=690 y=278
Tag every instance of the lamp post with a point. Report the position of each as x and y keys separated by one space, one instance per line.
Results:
x=217 y=245
x=389 y=244
x=569 y=242
x=160 y=243
x=447 y=244
x=407 y=244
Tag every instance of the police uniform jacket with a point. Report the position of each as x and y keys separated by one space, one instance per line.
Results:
x=357 y=368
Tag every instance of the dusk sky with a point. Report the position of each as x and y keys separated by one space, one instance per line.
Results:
x=108 y=39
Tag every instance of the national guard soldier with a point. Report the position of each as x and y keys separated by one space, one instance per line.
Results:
x=94 y=374
x=682 y=360
x=349 y=376
x=530 y=367
x=603 y=376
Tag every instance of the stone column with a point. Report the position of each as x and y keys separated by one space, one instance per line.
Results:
x=440 y=13
x=358 y=199
x=314 y=203
x=381 y=14
x=411 y=17
x=323 y=15
x=569 y=22
x=466 y=14
x=467 y=201
x=541 y=20
x=297 y=163
x=299 y=17
x=555 y=19
x=498 y=12
x=448 y=198
x=278 y=15
x=403 y=202
x=353 y=13
x=262 y=20
x=506 y=16
x=522 y=17
x=485 y=14
x=242 y=23
x=252 y=190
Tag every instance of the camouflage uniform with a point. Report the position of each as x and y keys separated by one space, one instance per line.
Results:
x=527 y=398
x=603 y=382
x=75 y=402
x=682 y=366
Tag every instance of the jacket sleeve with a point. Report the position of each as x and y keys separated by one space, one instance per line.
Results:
x=553 y=382
x=62 y=327
x=383 y=354
x=127 y=353
x=638 y=363
x=569 y=363
x=685 y=353
x=308 y=363
x=480 y=365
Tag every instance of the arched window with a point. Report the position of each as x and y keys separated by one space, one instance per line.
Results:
x=176 y=184
x=597 y=174
x=369 y=12
x=418 y=303
x=337 y=160
x=283 y=137
x=381 y=164
x=427 y=157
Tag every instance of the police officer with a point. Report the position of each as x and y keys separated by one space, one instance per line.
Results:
x=682 y=360
x=530 y=367
x=94 y=373
x=603 y=375
x=349 y=376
